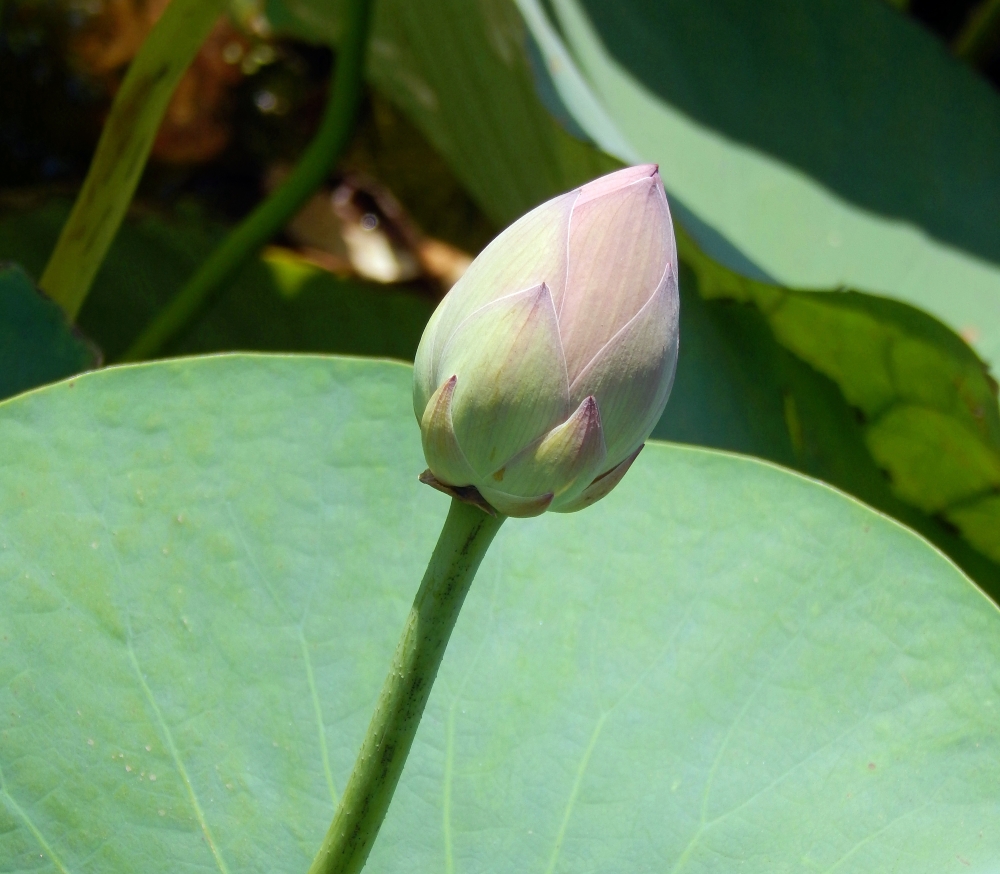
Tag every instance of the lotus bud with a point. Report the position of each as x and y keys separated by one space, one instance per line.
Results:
x=544 y=369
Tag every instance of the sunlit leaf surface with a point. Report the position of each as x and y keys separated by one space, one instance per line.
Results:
x=204 y=565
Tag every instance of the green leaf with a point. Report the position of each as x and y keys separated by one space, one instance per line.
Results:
x=738 y=388
x=927 y=403
x=37 y=344
x=205 y=565
x=832 y=144
x=278 y=303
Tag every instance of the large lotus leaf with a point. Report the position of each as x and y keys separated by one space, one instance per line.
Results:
x=37 y=344
x=205 y=565
x=830 y=143
x=279 y=302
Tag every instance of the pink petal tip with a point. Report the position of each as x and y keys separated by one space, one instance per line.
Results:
x=616 y=181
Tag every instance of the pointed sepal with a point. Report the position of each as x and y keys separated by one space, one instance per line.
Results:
x=529 y=252
x=600 y=487
x=512 y=384
x=515 y=505
x=563 y=462
x=444 y=456
x=632 y=375
x=465 y=494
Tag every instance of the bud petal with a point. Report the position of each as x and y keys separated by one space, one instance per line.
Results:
x=444 y=456
x=615 y=181
x=546 y=366
x=632 y=375
x=530 y=252
x=512 y=505
x=619 y=243
x=600 y=487
x=564 y=462
x=512 y=384
x=425 y=374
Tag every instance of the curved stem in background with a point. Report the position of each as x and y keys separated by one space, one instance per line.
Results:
x=979 y=35
x=276 y=210
x=123 y=148
x=464 y=539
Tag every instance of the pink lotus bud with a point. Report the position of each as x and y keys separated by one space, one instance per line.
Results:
x=542 y=372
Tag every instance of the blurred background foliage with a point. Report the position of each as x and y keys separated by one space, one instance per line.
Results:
x=832 y=166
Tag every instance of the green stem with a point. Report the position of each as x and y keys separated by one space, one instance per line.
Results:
x=463 y=542
x=275 y=211
x=124 y=147
x=978 y=38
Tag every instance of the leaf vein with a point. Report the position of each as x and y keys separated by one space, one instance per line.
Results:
x=175 y=754
x=575 y=791
x=20 y=812
x=318 y=710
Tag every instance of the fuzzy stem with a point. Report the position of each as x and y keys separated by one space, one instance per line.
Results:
x=275 y=211
x=464 y=539
x=123 y=148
